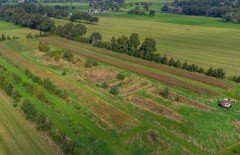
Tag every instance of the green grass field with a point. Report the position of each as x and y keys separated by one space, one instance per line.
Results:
x=9 y=29
x=201 y=40
x=17 y=136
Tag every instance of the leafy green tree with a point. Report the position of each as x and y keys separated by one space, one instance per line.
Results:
x=121 y=76
x=148 y=46
x=79 y=30
x=134 y=40
x=95 y=37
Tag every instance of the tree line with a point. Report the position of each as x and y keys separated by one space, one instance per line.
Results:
x=83 y=16
x=110 y=5
x=19 y=17
x=228 y=10
x=132 y=46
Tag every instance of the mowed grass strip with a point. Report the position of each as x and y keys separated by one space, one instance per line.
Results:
x=16 y=134
x=112 y=115
x=67 y=44
x=180 y=72
x=153 y=107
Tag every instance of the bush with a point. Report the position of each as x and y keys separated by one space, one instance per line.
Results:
x=104 y=85
x=165 y=93
x=68 y=55
x=64 y=73
x=17 y=79
x=121 y=76
x=90 y=63
x=114 y=90
x=43 y=47
x=28 y=109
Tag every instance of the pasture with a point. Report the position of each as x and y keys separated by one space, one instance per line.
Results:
x=9 y=29
x=201 y=40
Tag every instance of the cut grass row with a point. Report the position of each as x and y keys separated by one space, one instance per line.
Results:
x=176 y=71
x=69 y=45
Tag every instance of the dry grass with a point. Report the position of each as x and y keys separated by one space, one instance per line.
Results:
x=177 y=98
x=133 y=86
x=98 y=74
x=153 y=107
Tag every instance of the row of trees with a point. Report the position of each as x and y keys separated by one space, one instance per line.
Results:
x=131 y=46
x=138 y=11
x=22 y=18
x=226 y=9
x=70 y=31
x=84 y=16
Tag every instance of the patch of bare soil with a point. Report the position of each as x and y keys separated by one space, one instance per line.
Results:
x=49 y=61
x=133 y=86
x=97 y=75
x=177 y=98
x=153 y=107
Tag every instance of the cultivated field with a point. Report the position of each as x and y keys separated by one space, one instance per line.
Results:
x=201 y=40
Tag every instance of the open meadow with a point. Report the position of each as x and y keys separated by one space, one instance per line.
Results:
x=201 y=40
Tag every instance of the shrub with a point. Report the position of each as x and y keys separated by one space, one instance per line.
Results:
x=121 y=76
x=90 y=63
x=43 y=47
x=104 y=85
x=16 y=96
x=64 y=73
x=17 y=79
x=28 y=109
x=68 y=55
x=114 y=90
x=165 y=93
